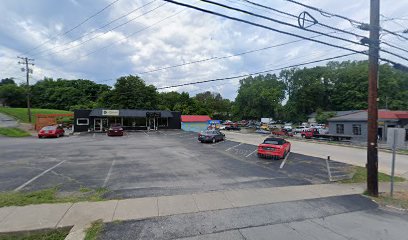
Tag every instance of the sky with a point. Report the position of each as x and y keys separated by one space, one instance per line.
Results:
x=141 y=37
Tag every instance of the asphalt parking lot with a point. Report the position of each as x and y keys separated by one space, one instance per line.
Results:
x=147 y=164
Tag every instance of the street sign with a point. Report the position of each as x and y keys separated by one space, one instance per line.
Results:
x=397 y=136
x=395 y=139
x=110 y=112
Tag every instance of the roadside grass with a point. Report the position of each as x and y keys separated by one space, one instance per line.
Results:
x=21 y=113
x=13 y=132
x=93 y=232
x=399 y=200
x=50 y=195
x=54 y=234
x=360 y=176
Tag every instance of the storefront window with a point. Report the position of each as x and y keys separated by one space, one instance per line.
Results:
x=163 y=122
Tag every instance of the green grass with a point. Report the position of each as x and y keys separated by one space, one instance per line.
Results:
x=360 y=176
x=93 y=232
x=399 y=200
x=13 y=132
x=49 y=195
x=21 y=113
x=55 y=234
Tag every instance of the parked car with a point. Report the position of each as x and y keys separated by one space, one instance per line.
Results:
x=115 y=130
x=51 y=131
x=282 y=132
x=211 y=136
x=232 y=127
x=276 y=148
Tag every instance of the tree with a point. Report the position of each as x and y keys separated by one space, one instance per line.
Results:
x=7 y=81
x=132 y=92
x=66 y=94
x=13 y=95
x=322 y=117
x=259 y=96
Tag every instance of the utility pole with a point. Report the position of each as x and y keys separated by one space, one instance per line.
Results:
x=26 y=62
x=372 y=124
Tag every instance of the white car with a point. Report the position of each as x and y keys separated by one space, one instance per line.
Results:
x=300 y=129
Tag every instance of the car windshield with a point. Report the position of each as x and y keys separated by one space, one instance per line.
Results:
x=49 y=128
x=274 y=141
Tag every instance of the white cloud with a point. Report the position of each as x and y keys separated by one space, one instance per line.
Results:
x=188 y=36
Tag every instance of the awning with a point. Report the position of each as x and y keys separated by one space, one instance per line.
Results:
x=127 y=113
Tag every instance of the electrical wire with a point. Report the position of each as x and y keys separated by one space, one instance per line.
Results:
x=310 y=21
x=305 y=29
x=277 y=30
x=257 y=73
x=97 y=36
x=278 y=21
x=75 y=27
x=352 y=21
x=100 y=28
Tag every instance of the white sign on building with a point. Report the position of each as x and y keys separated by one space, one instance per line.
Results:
x=110 y=112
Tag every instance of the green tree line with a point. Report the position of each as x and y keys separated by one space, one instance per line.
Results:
x=288 y=96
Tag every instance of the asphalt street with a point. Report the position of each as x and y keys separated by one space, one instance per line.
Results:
x=344 y=217
x=349 y=155
x=144 y=164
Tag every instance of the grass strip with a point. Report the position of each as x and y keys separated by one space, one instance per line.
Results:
x=13 y=132
x=49 y=195
x=360 y=176
x=94 y=231
x=54 y=234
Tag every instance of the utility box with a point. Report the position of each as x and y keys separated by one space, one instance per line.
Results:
x=396 y=136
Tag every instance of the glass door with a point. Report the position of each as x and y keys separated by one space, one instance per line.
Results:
x=98 y=125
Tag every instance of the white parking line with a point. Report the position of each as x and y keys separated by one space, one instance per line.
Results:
x=284 y=161
x=233 y=147
x=162 y=132
x=251 y=153
x=39 y=175
x=146 y=133
x=109 y=173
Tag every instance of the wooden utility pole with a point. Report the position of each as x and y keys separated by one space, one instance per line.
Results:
x=26 y=62
x=372 y=125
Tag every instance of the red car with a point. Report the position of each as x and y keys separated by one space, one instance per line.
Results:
x=51 y=131
x=276 y=148
x=115 y=130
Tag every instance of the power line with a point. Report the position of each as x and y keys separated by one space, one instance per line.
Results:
x=102 y=27
x=75 y=27
x=310 y=21
x=257 y=73
x=277 y=21
x=279 y=31
x=352 y=21
x=97 y=36
x=128 y=36
x=305 y=29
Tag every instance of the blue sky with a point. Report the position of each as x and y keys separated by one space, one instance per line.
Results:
x=95 y=53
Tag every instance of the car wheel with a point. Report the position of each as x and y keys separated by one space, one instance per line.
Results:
x=213 y=140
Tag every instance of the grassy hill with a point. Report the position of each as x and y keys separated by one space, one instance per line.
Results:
x=21 y=113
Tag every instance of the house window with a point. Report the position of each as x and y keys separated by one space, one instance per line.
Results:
x=356 y=129
x=82 y=121
x=340 y=128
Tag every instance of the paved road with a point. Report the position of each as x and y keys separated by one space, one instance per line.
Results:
x=354 y=156
x=339 y=218
x=6 y=121
x=146 y=164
